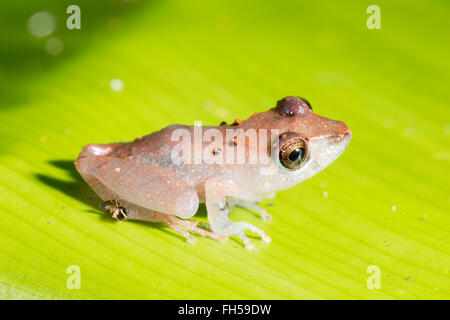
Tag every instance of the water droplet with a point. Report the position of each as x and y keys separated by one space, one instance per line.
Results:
x=387 y=123
x=116 y=85
x=409 y=131
x=54 y=46
x=41 y=24
x=446 y=129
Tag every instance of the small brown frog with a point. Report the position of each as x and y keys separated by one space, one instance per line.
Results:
x=140 y=180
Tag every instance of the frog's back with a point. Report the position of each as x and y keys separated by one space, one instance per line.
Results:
x=154 y=148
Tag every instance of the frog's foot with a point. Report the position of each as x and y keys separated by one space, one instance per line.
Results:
x=113 y=206
x=191 y=225
x=262 y=212
x=238 y=228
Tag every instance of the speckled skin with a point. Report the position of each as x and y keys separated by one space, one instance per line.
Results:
x=150 y=186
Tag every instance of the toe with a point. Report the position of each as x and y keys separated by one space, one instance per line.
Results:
x=191 y=239
x=249 y=245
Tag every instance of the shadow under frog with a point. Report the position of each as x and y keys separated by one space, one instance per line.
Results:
x=78 y=189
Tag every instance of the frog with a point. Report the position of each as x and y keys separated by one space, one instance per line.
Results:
x=141 y=180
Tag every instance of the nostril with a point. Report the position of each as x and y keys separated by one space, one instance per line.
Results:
x=347 y=132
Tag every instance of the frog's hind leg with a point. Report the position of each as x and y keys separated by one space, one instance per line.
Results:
x=139 y=191
x=183 y=227
x=191 y=225
x=142 y=184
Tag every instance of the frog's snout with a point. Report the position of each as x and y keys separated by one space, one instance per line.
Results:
x=347 y=133
x=343 y=133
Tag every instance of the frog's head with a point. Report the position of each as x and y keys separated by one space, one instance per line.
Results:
x=308 y=143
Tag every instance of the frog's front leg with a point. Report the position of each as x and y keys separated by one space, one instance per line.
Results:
x=216 y=192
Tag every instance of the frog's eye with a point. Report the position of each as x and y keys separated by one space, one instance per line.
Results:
x=293 y=153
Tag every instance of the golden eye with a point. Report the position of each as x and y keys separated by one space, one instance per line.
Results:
x=293 y=153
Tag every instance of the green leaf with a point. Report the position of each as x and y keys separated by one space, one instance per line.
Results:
x=384 y=203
